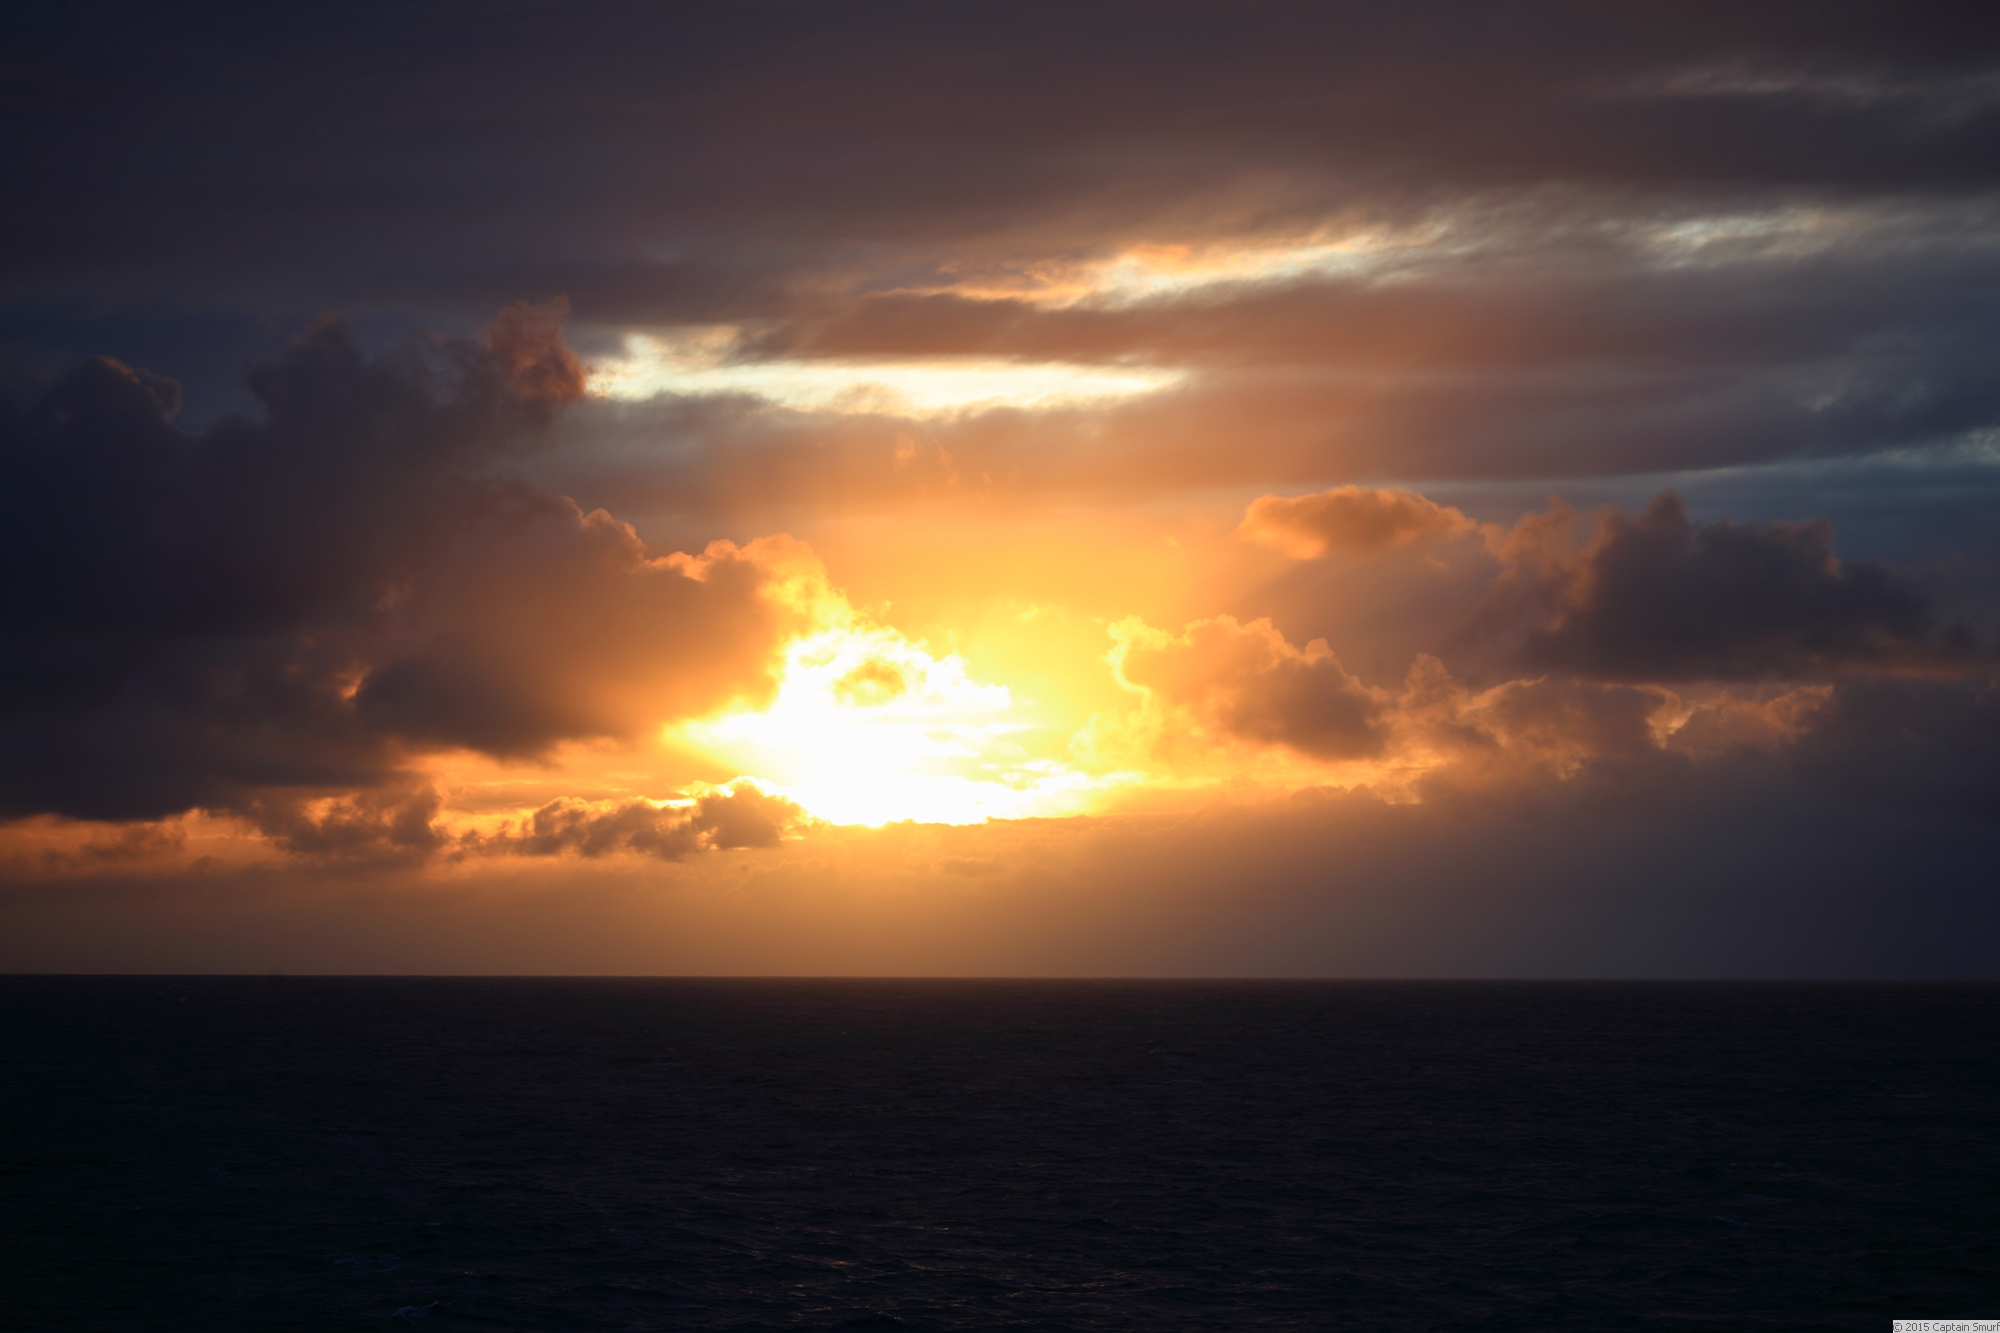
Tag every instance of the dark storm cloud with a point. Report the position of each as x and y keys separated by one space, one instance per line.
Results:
x=1658 y=597
x=1647 y=599
x=541 y=623
x=132 y=525
x=298 y=601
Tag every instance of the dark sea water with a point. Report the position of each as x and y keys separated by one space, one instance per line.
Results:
x=232 y=1153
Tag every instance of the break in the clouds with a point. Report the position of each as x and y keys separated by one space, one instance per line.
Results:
x=1230 y=475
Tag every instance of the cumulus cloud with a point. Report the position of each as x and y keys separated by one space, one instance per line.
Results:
x=1222 y=684
x=1917 y=745
x=1716 y=726
x=278 y=608
x=740 y=816
x=1649 y=634
x=540 y=624
x=1563 y=723
x=1247 y=682
x=526 y=345
x=394 y=821
x=1656 y=596
x=1351 y=519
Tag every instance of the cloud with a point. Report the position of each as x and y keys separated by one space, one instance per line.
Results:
x=808 y=147
x=134 y=526
x=1720 y=725
x=525 y=344
x=1563 y=723
x=1475 y=288
x=1542 y=274
x=392 y=822
x=540 y=624
x=1658 y=597
x=282 y=607
x=1592 y=634
x=875 y=681
x=1248 y=683
x=1304 y=424
x=718 y=820
x=1349 y=519
x=48 y=849
x=1439 y=735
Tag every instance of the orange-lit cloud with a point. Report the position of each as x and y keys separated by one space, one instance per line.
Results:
x=1224 y=679
x=720 y=819
x=1347 y=518
x=525 y=345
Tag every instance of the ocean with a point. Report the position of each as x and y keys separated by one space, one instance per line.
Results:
x=207 y=1153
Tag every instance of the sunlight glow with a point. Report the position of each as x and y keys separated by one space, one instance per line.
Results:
x=869 y=727
x=1156 y=271
x=697 y=362
x=1151 y=272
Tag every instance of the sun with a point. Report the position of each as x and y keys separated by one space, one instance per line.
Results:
x=869 y=727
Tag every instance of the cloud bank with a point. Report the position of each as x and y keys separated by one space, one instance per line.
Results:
x=1428 y=491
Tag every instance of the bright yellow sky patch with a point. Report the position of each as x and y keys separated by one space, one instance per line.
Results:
x=695 y=362
x=869 y=727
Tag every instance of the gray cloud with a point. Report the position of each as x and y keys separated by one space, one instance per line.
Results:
x=1658 y=597
x=301 y=599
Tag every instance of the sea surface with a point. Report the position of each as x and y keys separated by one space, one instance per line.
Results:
x=297 y=1153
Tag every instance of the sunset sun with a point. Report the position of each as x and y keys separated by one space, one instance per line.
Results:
x=868 y=727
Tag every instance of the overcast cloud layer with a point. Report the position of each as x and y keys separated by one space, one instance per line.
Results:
x=1444 y=489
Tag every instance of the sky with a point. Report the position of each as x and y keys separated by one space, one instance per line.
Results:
x=1182 y=489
